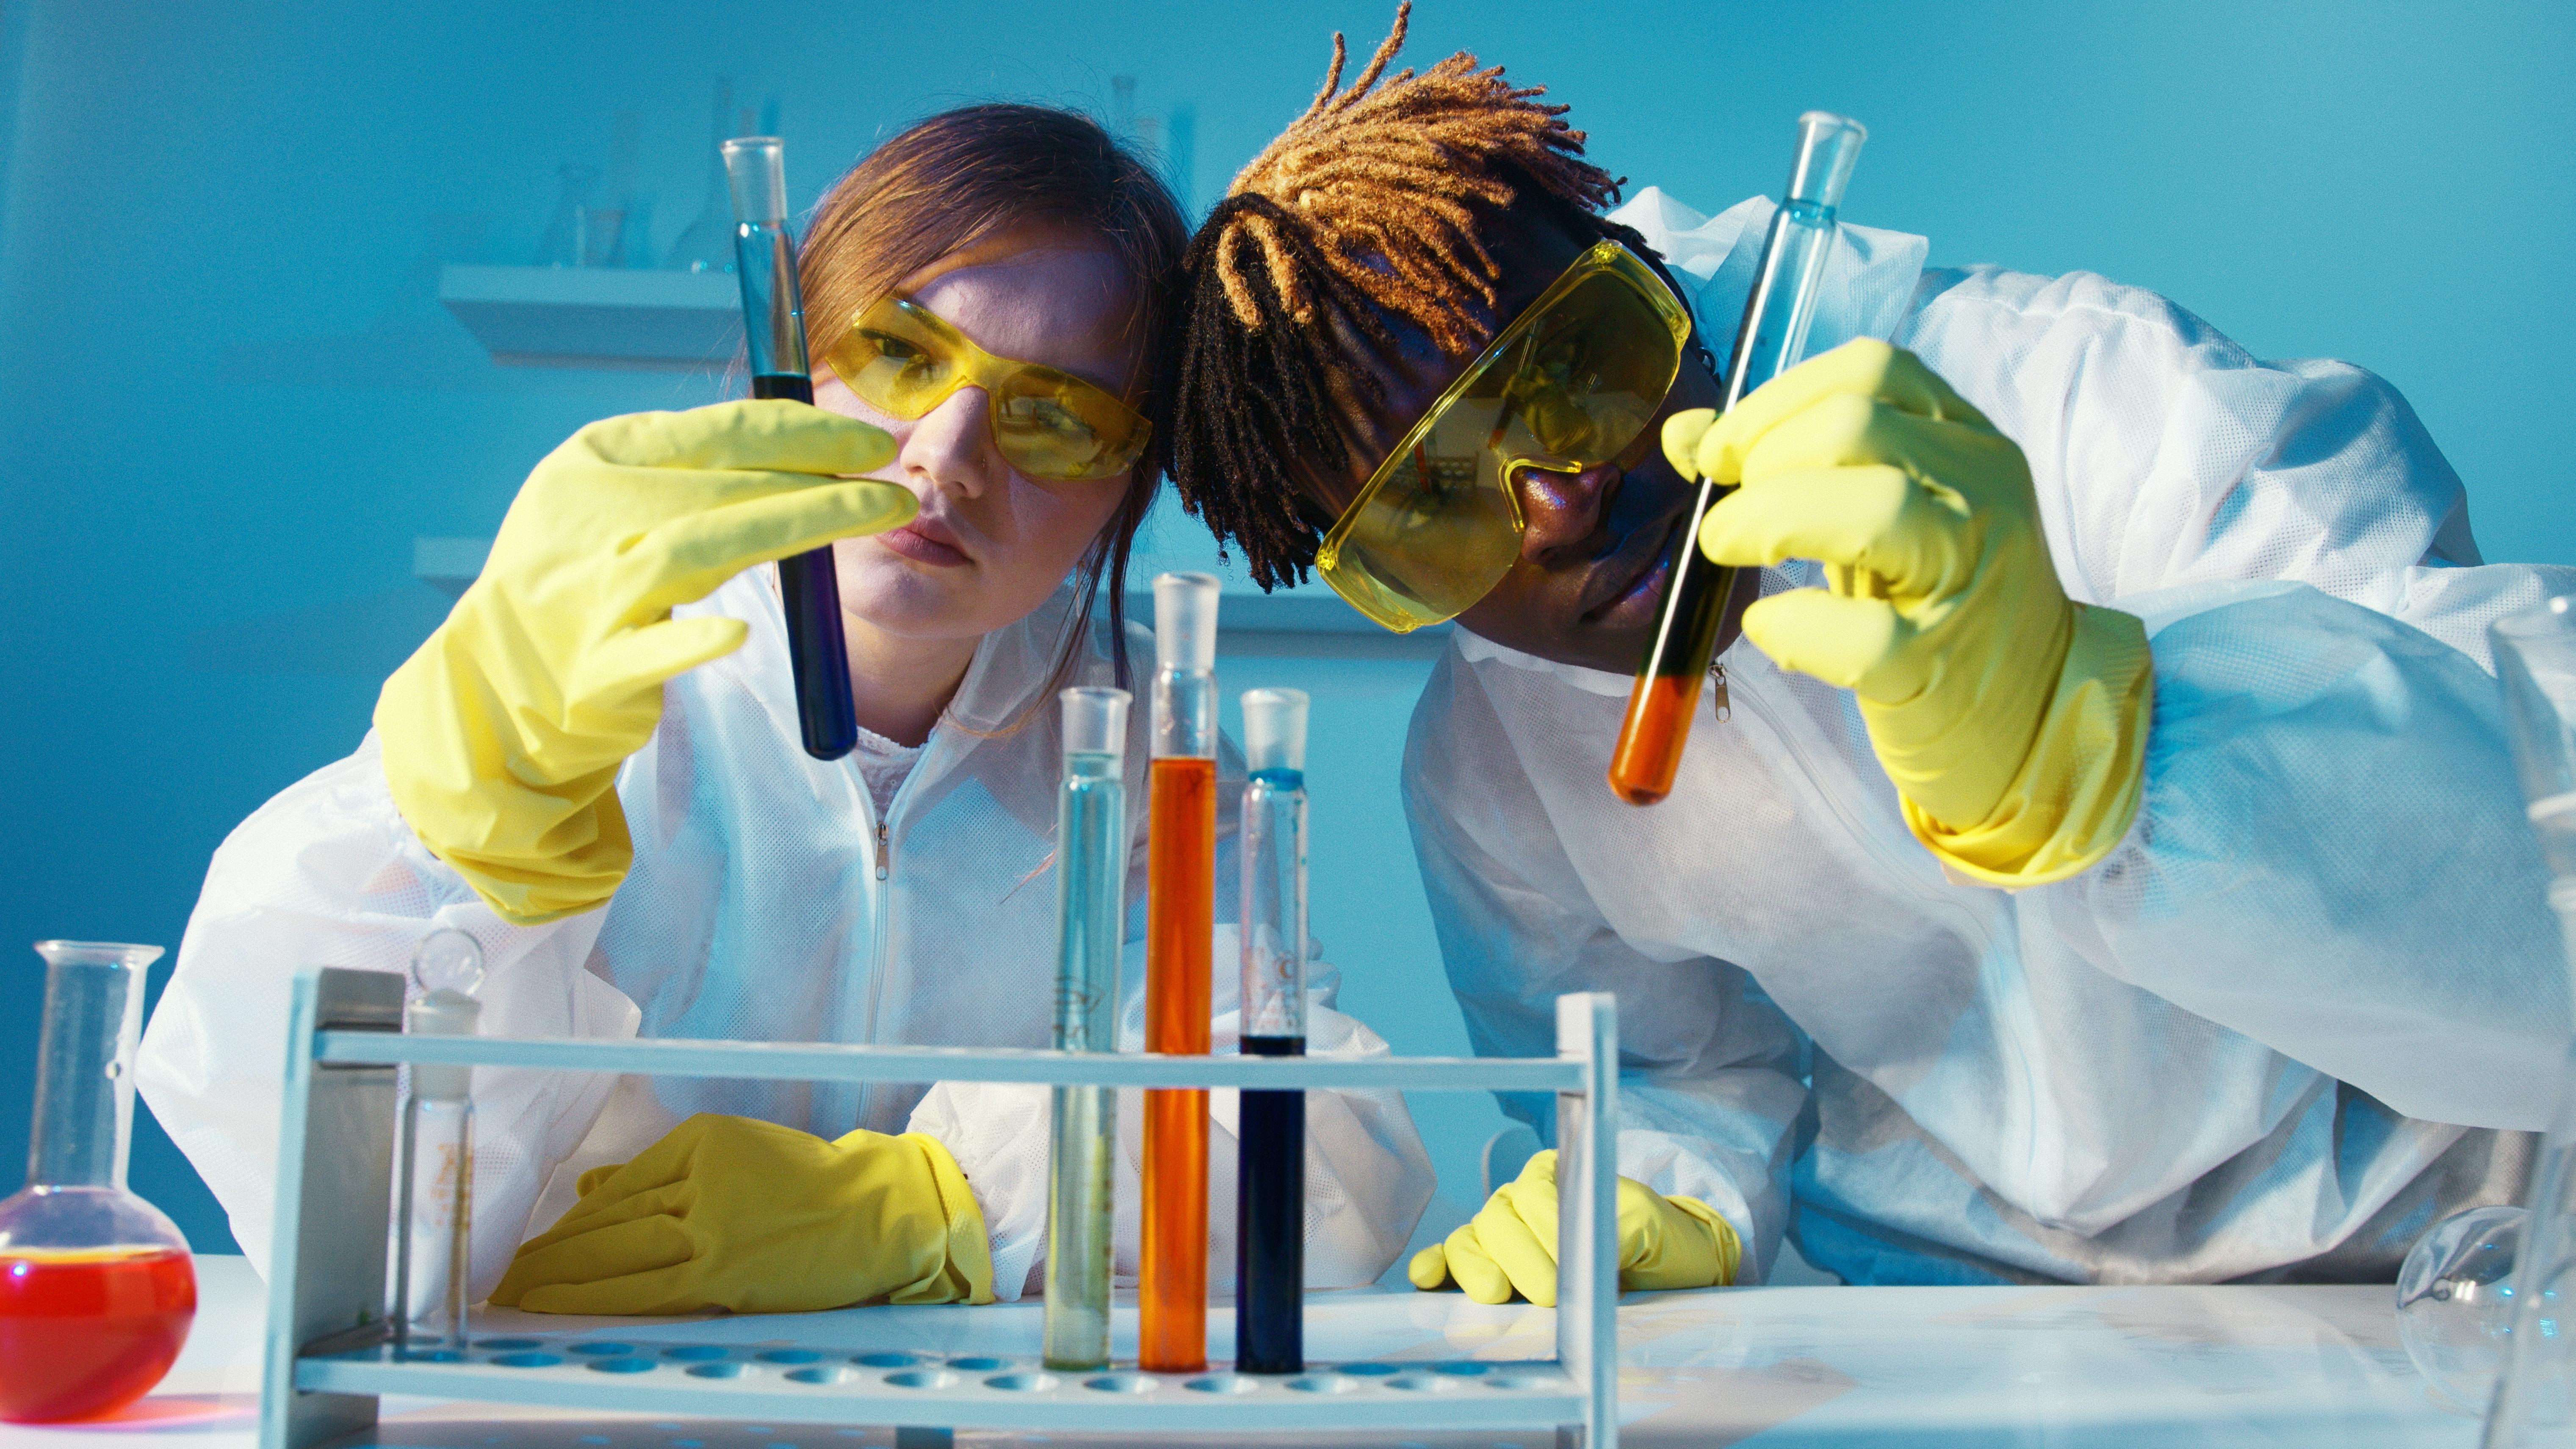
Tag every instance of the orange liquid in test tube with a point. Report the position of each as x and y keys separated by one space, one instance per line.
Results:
x=1181 y=916
x=1649 y=753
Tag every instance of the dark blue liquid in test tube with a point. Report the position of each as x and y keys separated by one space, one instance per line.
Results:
x=1270 y=1137
x=1270 y=1241
x=773 y=325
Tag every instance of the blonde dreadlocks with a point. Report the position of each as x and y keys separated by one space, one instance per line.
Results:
x=1370 y=206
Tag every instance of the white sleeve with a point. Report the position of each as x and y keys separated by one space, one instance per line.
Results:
x=1368 y=1176
x=1708 y=1081
x=329 y=874
x=2331 y=856
x=2164 y=454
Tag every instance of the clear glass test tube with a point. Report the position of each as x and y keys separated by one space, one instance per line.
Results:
x=1771 y=339
x=1180 y=910
x=433 y=1269
x=1270 y=1165
x=773 y=326
x=1091 y=882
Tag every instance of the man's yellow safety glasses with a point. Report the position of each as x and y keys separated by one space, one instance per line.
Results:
x=903 y=360
x=1567 y=386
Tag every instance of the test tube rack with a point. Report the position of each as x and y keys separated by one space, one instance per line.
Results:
x=330 y=1355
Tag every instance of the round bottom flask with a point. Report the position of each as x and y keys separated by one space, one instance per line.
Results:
x=96 y=1286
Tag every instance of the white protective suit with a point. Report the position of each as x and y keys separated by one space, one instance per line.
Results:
x=766 y=903
x=2226 y=1051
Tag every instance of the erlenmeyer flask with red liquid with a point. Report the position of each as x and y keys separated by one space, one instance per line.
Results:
x=96 y=1286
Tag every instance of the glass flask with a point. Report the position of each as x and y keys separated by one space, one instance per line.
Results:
x=2535 y=652
x=707 y=243
x=2455 y=1301
x=96 y=1287
x=434 y=1160
x=567 y=234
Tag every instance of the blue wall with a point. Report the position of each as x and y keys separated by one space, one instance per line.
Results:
x=233 y=401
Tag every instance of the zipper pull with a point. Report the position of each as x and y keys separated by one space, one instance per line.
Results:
x=1717 y=682
x=881 y=850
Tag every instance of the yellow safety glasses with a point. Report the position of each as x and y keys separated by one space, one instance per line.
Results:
x=902 y=360
x=1567 y=386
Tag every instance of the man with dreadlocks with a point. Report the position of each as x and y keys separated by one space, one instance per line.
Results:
x=2112 y=873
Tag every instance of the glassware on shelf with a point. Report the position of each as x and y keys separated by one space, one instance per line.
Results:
x=2455 y=1301
x=613 y=227
x=2535 y=652
x=635 y=235
x=602 y=228
x=706 y=244
x=434 y=1159
x=567 y=235
x=96 y=1286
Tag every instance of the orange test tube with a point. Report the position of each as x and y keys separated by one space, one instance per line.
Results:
x=1180 y=906
x=1778 y=310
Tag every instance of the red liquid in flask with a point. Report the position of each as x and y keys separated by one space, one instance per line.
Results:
x=87 y=1332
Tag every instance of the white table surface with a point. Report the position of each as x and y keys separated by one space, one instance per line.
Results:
x=1764 y=1366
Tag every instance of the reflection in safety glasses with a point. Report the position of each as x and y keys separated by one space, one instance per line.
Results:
x=902 y=359
x=1569 y=385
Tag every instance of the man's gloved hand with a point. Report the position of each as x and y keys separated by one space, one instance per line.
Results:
x=1664 y=1242
x=2012 y=720
x=736 y=1213
x=503 y=734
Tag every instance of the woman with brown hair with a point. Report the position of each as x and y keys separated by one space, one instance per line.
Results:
x=594 y=768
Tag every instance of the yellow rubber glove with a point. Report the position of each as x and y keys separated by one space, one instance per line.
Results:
x=2012 y=720
x=1664 y=1242
x=736 y=1213
x=503 y=734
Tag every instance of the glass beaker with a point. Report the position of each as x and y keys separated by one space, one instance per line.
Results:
x=96 y=1286
x=567 y=242
x=2535 y=653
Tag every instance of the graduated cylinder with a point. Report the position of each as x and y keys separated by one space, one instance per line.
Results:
x=1090 y=905
x=1180 y=922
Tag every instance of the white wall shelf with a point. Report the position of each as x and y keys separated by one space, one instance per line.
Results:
x=597 y=317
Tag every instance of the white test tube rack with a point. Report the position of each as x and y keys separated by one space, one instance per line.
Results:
x=329 y=1353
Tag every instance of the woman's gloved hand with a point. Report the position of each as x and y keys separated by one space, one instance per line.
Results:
x=736 y=1213
x=2012 y=720
x=1664 y=1242
x=503 y=734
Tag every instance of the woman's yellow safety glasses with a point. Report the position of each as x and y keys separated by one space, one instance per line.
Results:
x=903 y=360
x=1567 y=386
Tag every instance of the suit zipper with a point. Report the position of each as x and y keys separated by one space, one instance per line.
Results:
x=1717 y=683
x=881 y=850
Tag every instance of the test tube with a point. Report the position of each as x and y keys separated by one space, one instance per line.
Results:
x=1180 y=908
x=1270 y=1167
x=432 y=1265
x=773 y=329
x=1090 y=906
x=1769 y=341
